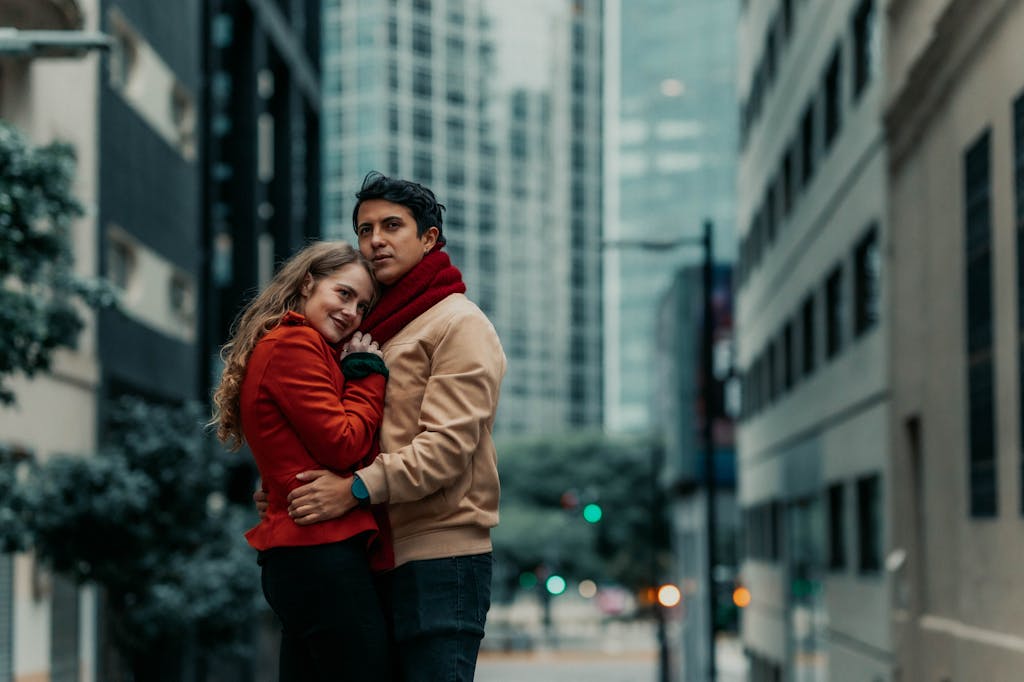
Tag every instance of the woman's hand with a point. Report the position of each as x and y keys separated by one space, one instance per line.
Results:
x=327 y=496
x=360 y=343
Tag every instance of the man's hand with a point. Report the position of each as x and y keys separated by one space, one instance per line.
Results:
x=260 y=498
x=327 y=496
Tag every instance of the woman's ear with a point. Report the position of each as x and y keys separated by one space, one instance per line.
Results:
x=307 y=286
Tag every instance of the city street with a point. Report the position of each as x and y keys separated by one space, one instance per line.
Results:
x=568 y=666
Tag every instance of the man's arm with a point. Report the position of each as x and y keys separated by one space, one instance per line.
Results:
x=459 y=403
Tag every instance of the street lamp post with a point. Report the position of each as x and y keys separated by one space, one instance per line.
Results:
x=706 y=242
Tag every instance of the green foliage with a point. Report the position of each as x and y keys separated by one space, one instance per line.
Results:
x=615 y=472
x=39 y=287
x=145 y=520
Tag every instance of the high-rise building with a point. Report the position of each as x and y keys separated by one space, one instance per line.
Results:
x=497 y=108
x=671 y=150
x=955 y=131
x=812 y=340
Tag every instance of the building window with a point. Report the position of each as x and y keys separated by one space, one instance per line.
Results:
x=423 y=168
x=64 y=631
x=836 y=527
x=980 y=370
x=421 y=40
x=834 y=312
x=1018 y=118
x=833 y=97
x=121 y=261
x=773 y=374
x=787 y=181
x=809 y=333
x=787 y=18
x=422 y=125
x=863 y=47
x=867 y=269
x=6 y=616
x=807 y=145
x=421 y=83
x=788 y=378
x=869 y=524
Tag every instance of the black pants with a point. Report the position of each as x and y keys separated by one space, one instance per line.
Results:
x=332 y=623
x=438 y=609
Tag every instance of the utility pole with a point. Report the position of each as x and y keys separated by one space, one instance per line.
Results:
x=708 y=390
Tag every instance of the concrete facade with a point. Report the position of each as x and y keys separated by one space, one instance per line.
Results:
x=41 y=642
x=811 y=346
x=955 y=95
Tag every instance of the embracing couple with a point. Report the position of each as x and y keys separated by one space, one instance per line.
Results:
x=365 y=384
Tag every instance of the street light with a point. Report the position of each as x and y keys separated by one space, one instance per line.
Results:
x=706 y=242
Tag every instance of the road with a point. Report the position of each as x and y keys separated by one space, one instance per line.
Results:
x=567 y=667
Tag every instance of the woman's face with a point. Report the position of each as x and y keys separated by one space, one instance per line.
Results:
x=335 y=304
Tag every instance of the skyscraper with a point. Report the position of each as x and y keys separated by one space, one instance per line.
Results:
x=497 y=108
x=672 y=164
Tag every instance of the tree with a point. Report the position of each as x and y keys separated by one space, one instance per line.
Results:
x=145 y=519
x=541 y=524
x=39 y=288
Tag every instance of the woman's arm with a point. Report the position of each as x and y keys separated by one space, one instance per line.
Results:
x=337 y=433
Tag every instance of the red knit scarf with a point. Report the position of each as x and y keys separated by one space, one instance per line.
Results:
x=432 y=280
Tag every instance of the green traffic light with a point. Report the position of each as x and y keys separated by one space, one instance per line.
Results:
x=592 y=513
x=555 y=585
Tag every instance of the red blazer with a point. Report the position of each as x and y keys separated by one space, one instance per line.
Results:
x=299 y=413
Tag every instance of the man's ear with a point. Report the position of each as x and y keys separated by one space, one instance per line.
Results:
x=429 y=238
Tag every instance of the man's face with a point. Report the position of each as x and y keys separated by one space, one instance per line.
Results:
x=387 y=237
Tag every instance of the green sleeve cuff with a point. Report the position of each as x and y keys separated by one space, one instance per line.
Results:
x=359 y=365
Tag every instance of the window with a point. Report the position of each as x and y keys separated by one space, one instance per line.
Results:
x=762 y=531
x=787 y=357
x=6 y=616
x=980 y=370
x=121 y=261
x=869 y=524
x=422 y=168
x=787 y=181
x=836 y=527
x=867 y=267
x=64 y=635
x=833 y=97
x=834 y=312
x=773 y=374
x=787 y=18
x=863 y=48
x=181 y=297
x=421 y=83
x=456 y=133
x=807 y=149
x=422 y=125
x=393 y=118
x=421 y=40
x=1018 y=118
x=809 y=333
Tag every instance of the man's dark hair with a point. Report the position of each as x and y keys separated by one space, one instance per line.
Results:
x=420 y=201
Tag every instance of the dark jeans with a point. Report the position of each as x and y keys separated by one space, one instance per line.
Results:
x=332 y=622
x=439 y=608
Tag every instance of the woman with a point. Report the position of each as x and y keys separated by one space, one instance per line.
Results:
x=285 y=393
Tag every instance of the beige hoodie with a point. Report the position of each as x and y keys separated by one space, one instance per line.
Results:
x=438 y=467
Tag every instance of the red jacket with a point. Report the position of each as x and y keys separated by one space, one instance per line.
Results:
x=299 y=413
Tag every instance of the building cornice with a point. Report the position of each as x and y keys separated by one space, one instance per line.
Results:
x=41 y=15
x=957 y=35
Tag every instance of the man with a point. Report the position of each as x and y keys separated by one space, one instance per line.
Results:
x=437 y=469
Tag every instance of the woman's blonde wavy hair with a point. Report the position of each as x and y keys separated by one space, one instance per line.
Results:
x=284 y=293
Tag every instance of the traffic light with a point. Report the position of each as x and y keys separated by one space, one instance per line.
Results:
x=555 y=584
x=592 y=513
